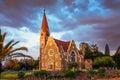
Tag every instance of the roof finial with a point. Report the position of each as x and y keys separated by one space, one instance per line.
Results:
x=44 y=10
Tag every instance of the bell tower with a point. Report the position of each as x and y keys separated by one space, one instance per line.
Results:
x=44 y=34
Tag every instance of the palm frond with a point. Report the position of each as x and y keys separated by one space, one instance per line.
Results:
x=20 y=55
x=17 y=49
x=8 y=44
x=3 y=36
x=14 y=43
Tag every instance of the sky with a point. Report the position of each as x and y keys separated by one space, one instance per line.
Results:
x=90 y=21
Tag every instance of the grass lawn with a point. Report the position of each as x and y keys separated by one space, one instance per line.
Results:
x=12 y=75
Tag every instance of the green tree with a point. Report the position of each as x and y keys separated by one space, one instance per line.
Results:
x=107 y=50
x=105 y=61
x=7 y=50
x=88 y=53
x=116 y=58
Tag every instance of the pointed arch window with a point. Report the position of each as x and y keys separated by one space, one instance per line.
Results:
x=72 y=57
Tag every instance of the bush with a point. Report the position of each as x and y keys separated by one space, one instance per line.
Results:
x=65 y=70
x=36 y=73
x=101 y=70
x=77 y=72
x=58 y=76
x=50 y=76
x=21 y=74
x=43 y=72
x=16 y=68
x=69 y=74
x=72 y=65
x=91 y=71
x=40 y=73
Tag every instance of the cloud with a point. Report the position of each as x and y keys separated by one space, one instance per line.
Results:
x=26 y=37
x=85 y=20
x=111 y=4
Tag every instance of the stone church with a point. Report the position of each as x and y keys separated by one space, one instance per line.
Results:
x=57 y=54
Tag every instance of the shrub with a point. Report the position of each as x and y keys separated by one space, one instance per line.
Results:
x=101 y=72
x=36 y=73
x=65 y=70
x=69 y=74
x=77 y=72
x=50 y=76
x=91 y=71
x=72 y=65
x=21 y=74
x=58 y=76
x=16 y=68
x=40 y=73
x=43 y=72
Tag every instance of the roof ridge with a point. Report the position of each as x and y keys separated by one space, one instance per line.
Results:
x=63 y=44
x=61 y=40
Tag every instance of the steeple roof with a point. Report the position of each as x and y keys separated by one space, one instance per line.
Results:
x=45 y=27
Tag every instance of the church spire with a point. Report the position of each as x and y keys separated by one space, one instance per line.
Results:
x=45 y=27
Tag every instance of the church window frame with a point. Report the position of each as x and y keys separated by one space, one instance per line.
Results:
x=51 y=52
x=73 y=60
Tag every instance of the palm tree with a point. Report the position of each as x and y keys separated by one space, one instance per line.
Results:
x=7 y=50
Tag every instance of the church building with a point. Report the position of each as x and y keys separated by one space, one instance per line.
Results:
x=57 y=54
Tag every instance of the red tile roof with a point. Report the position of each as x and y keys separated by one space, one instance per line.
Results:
x=62 y=44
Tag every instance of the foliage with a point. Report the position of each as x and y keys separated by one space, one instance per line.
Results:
x=16 y=67
x=105 y=61
x=73 y=65
x=65 y=70
x=92 y=55
x=91 y=71
x=40 y=73
x=101 y=72
x=43 y=72
x=7 y=51
x=107 y=50
x=11 y=64
x=77 y=72
x=58 y=75
x=116 y=58
x=51 y=76
x=21 y=74
x=23 y=64
x=70 y=74
x=88 y=53
x=36 y=73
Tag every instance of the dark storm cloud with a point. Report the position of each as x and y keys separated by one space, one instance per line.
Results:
x=88 y=20
x=111 y=4
x=18 y=13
